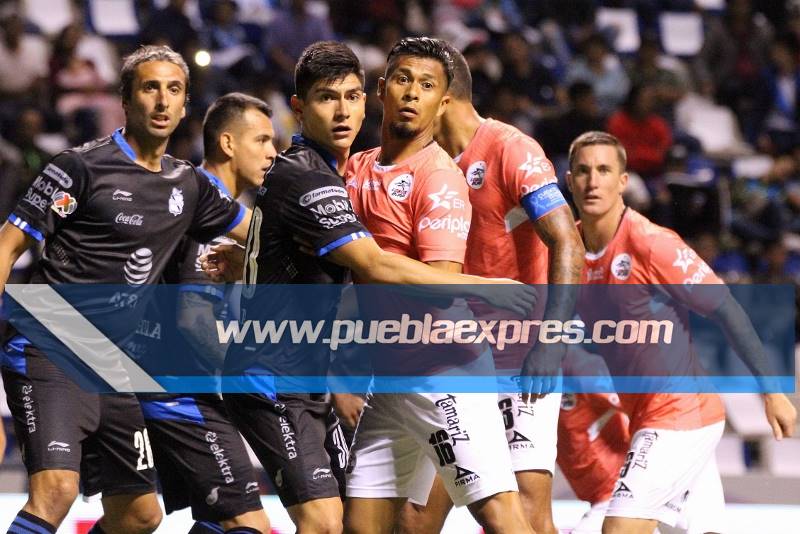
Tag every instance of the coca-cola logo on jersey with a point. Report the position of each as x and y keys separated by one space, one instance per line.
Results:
x=131 y=220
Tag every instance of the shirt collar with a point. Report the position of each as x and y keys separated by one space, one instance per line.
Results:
x=215 y=180
x=123 y=144
x=298 y=139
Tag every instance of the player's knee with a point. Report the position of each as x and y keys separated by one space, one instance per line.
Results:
x=55 y=493
x=501 y=513
x=144 y=518
x=319 y=525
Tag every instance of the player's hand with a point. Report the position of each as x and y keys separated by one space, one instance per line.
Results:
x=510 y=295
x=348 y=408
x=781 y=415
x=224 y=263
x=541 y=370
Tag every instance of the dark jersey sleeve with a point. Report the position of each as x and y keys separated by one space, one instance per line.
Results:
x=53 y=197
x=216 y=213
x=318 y=211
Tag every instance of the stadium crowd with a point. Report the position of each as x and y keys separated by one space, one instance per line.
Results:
x=712 y=135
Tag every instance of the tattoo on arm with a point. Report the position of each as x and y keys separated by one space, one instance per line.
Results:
x=558 y=231
x=197 y=315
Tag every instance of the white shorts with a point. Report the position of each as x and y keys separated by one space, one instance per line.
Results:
x=403 y=440
x=592 y=520
x=664 y=471
x=531 y=430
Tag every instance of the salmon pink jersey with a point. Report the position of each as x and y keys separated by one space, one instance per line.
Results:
x=593 y=440
x=418 y=208
x=647 y=272
x=502 y=165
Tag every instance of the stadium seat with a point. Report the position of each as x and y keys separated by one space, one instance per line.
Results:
x=782 y=458
x=113 y=17
x=681 y=33
x=745 y=413
x=51 y=16
x=625 y=26
x=730 y=456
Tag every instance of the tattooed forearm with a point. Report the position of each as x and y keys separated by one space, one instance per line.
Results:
x=558 y=231
x=197 y=322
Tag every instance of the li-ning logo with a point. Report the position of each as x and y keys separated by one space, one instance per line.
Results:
x=58 y=446
x=321 y=472
x=137 y=268
x=121 y=195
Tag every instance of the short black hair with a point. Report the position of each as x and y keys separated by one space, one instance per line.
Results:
x=143 y=54
x=223 y=112
x=461 y=86
x=424 y=47
x=325 y=60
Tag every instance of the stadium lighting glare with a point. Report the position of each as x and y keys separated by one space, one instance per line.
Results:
x=202 y=58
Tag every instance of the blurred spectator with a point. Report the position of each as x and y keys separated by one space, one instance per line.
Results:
x=731 y=265
x=645 y=135
x=237 y=62
x=601 y=68
x=774 y=267
x=730 y=65
x=486 y=70
x=23 y=63
x=526 y=74
x=782 y=126
x=665 y=73
x=171 y=26
x=557 y=133
x=763 y=208
x=88 y=105
x=290 y=32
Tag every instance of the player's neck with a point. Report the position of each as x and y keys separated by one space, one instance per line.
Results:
x=459 y=125
x=395 y=149
x=599 y=231
x=226 y=175
x=149 y=151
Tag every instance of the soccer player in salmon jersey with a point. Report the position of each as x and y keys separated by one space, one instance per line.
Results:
x=523 y=229
x=593 y=440
x=414 y=201
x=673 y=436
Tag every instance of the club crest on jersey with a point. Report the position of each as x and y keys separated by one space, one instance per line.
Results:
x=176 y=202
x=63 y=204
x=476 y=173
x=568 y=401
x=400 y=187
x=621 y=266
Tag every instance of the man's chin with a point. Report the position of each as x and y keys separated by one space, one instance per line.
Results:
x=402 y=130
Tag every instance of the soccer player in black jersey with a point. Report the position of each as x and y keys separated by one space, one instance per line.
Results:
x=200 y=457
x=296 y=436
x=111 y=211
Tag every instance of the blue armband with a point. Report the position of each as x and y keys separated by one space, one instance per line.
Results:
x=542 y=201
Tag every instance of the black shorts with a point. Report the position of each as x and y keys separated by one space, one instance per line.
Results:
x=60 y=426
x=298 y=440
x=200 y=457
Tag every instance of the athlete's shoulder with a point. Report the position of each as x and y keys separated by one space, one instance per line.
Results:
x=646 y=235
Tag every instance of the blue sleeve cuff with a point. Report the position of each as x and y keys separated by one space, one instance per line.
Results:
x=330 y=247
x=237 y=220
x=204 y=289
x=25 y=227
x=539 y=203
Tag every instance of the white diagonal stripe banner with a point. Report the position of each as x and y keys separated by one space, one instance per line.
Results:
x=83 y=338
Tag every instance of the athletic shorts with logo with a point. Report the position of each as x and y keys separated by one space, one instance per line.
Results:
x=200 y=457
x=531 y=430
x=298 y=440
x=403 y=440
x=60 y=426
x=665 y=471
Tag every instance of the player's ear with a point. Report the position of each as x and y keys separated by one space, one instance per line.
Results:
x=381 y=88
x=183 y=112
x=443 y=105
x=623 y=180
x=568 y=178
x=297 y=107
x=226 y=144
